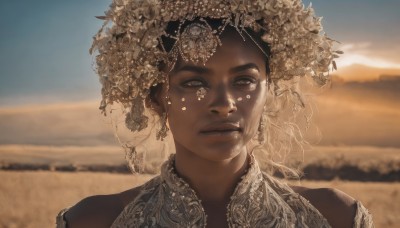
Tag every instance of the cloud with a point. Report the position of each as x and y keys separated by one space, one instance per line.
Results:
x=355 y=46
x=364 y=53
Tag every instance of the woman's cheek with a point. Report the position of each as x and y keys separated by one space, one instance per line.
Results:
x=184 y=100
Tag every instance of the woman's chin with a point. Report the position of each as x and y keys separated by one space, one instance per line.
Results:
x=222 y=153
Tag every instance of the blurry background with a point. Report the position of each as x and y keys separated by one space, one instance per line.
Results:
x=49 y=117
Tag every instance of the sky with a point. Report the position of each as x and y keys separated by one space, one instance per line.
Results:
x=44 y=44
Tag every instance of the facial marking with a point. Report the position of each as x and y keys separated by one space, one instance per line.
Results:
x=201 y=93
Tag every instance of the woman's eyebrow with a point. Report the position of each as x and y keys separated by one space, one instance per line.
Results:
x=244 y=67
x=195 y=69
x=204 y=70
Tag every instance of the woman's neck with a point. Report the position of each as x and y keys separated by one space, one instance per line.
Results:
x=213 y=181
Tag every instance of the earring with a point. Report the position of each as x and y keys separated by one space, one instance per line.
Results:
x=162 y=132
x=261 y=129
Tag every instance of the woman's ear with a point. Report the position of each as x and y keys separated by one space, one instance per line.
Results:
x=154 y=101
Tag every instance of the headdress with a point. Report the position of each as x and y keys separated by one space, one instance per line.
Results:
x=130 y=49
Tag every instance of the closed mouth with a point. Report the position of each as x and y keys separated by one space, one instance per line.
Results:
x=224 y=128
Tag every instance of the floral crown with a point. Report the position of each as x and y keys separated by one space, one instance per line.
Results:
x=130 y=45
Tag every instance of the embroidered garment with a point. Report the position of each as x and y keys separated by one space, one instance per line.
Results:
x=259 y=200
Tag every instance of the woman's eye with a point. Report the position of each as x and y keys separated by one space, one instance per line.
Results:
x=245 y=81
x=193 y=83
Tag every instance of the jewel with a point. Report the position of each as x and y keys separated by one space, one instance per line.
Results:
x=198 y=42
x=248 y=96
x=184 y=108
x=201 y=93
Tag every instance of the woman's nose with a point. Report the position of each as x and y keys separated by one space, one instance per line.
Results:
x=222 y=102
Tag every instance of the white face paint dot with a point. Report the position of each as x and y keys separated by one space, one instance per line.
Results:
x=183 y=99
x=183 y=108
x=248 y=96
x=240 y=99
x=169 y=102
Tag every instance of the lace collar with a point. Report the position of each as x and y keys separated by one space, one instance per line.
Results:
x=250 y=180
x=258 y=201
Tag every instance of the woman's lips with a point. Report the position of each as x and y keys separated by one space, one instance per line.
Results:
x=221 y=129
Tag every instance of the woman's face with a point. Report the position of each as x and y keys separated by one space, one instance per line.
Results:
x=215 y=109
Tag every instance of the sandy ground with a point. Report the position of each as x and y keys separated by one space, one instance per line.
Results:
x=33 y=199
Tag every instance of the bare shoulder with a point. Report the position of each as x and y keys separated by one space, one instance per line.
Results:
x=99 y=210
x=336 y=206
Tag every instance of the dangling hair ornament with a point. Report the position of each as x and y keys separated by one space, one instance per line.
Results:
x=135 y=119
x=163 y=131
x=261 y=127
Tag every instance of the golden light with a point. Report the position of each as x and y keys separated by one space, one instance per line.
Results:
x=362 y=54
x=349 y=59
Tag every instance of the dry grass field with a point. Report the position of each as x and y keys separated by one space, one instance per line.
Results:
x=32 y=199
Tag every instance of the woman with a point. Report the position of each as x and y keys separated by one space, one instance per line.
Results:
x=215 y=73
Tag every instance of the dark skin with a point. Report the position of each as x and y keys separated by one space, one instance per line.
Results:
x=211 y=137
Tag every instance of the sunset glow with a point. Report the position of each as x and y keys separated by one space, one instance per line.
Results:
x=351 y=59
x=363 y=54
x=360 y=62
